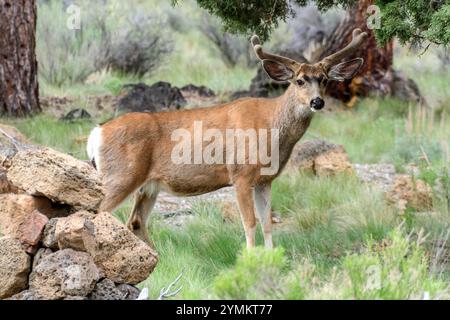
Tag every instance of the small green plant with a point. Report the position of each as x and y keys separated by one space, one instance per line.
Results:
x=256 y=275
x=397 y=268
x=114 y=86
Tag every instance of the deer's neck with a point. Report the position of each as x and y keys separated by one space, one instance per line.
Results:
x=292 y=119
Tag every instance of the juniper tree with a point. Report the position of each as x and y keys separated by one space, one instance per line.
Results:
x=413 y=21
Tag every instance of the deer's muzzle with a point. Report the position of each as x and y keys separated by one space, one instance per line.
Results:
x=317 y=103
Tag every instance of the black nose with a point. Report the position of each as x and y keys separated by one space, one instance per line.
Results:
x=317 y=103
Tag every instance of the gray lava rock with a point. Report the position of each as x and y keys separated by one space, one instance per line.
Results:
x=64 y=273
x=143 y=98
x=76 y=114
x=201 y=91
x=14 y=267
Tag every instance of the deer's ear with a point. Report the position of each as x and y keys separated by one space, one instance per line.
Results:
x=278 y=71
x=345 y=70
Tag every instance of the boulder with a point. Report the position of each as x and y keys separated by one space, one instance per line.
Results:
x=200 y=91
x=410 y=193
x=105 y=290
x=57 y=176
x=26 y=295
x=14 y=267
x=405 y=88
x=119 y=254
x=123 y=257
x=129 y=292
x=108 y=290
x=320 y=157
x=11 y=140
x=63 y=274
x=76 y=231
x=49 y=235
x=332 y=162
x=76 y=114
x=30 y=231
x=13 y=133
x=15 y=209
x=40 y=254
x=143 y=98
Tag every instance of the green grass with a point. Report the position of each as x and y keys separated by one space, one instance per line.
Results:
x=398 y=270
x=48 y=131
x=327 y=221
x=377 y=132
x=327 y=224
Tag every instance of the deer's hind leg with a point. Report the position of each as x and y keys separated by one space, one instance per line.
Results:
x=144 y=201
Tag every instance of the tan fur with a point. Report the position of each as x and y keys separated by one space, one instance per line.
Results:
x=136 y=148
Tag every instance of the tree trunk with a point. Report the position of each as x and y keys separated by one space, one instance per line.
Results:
x=376 y=75
x=19 y=91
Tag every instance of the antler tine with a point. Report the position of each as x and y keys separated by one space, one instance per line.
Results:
x=358 y=37
x=262 y=55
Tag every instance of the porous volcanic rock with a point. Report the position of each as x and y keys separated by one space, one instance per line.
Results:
x=30 y=231
x=15 y=209
x=143 y=98
x=410 y=193
x=57 y=176
x=320 y=157
x=119 y=254
x=64 y=273
x=15 y=265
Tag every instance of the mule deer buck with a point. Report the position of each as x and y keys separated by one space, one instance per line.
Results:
x=135 y=152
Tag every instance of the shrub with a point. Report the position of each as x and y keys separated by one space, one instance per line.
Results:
x=68 y=56
x=396 y=268
x=131 y=43
x=256 y=275
x=140 y=46
x=416 y=149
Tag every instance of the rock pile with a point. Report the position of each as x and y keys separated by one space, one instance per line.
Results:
x=54 y=244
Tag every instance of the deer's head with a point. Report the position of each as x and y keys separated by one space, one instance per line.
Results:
x=310 y=80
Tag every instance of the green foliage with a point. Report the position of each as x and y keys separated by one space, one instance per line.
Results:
x=413 y=21
x=112 y=34
x=255 y=275
x=68 y=56
x=114 y=85
x=395 y=269
x=411 y=149
x=257 y=16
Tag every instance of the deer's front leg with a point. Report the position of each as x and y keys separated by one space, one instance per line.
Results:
x=262 y=197
x=247 y=211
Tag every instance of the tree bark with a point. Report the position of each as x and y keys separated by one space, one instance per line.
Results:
x=19 y=91
x=376 y=75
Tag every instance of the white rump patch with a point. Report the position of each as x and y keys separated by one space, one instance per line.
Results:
x=93 y=146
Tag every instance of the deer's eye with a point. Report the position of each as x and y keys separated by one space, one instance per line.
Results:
x=325 y=82
x=300 y=82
